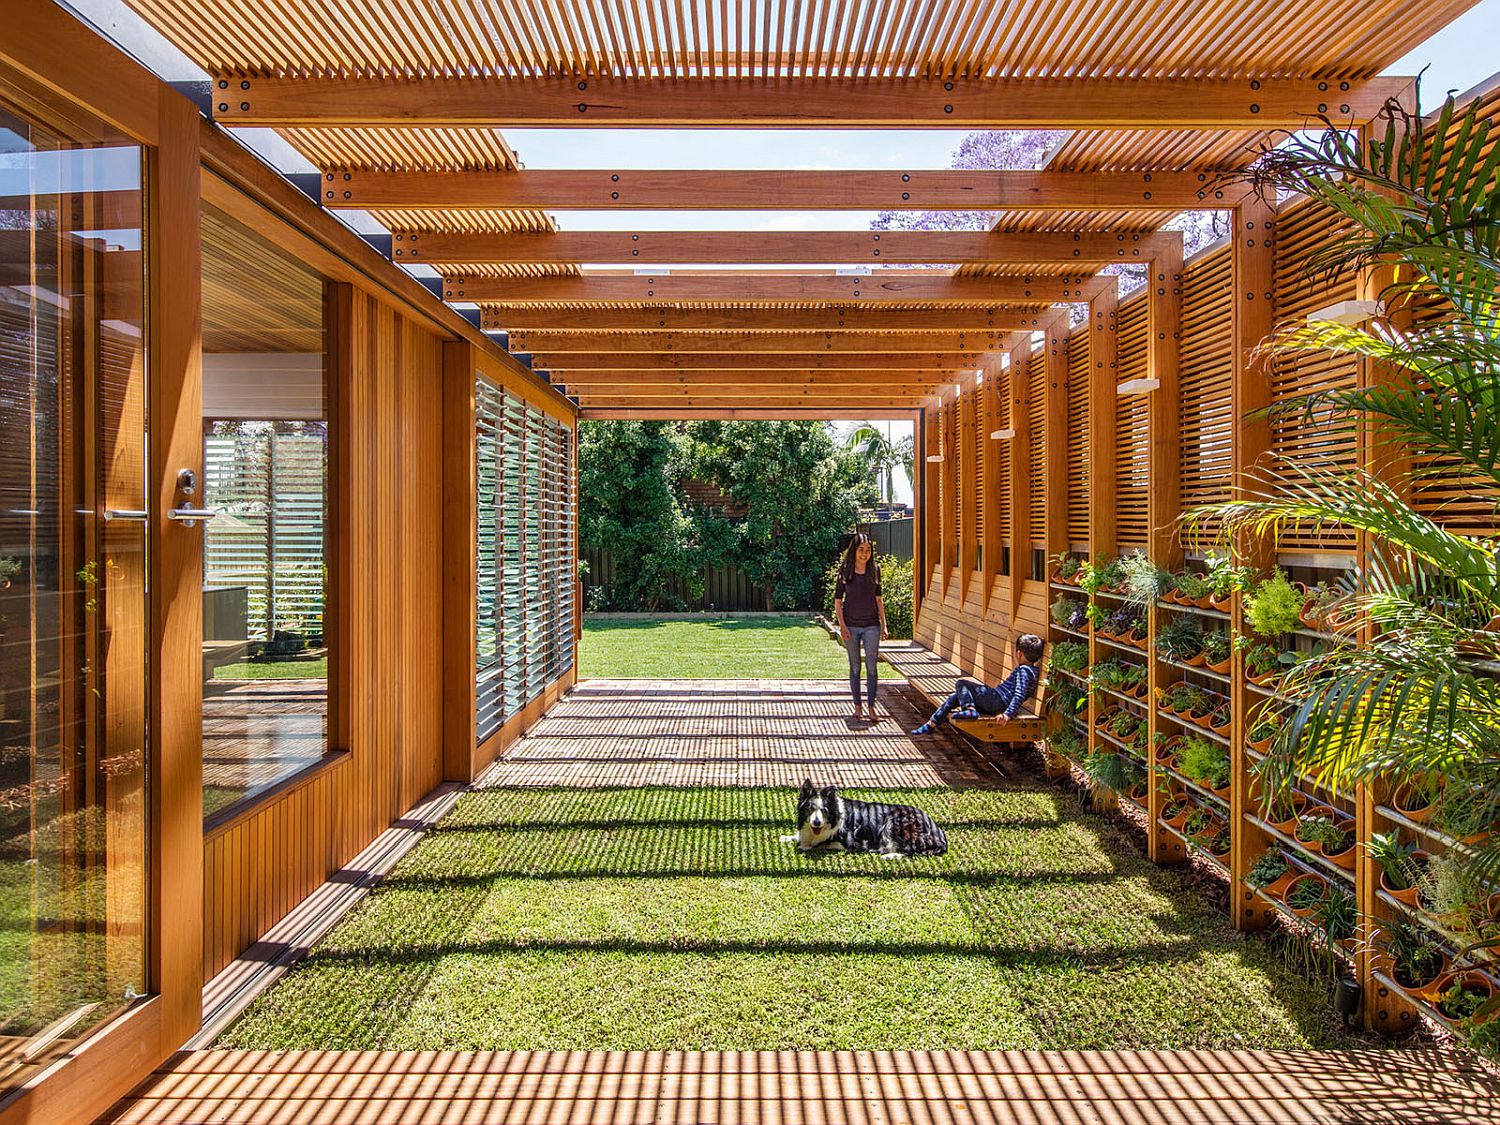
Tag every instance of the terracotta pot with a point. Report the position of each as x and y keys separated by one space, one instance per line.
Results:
x=1263 y=745
x=1308 y=877
x=1201 y=603
x=1276 y=887
x=1222 y=666
x=1288 y=826
x=1216 y=601
x=1346 y=858
x=1410 y=895
x=1425 y=990
x=1196 y=660
x=1262 y=681
x=1422 y=813
x=1224 y=728
x=1180 y=819
x=1223 y=794
x=1466 y=978
x=1308 y=814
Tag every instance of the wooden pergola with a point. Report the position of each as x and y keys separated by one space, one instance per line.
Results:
x=400 y=106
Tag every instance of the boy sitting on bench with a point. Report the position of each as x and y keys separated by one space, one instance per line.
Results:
x=972 y=699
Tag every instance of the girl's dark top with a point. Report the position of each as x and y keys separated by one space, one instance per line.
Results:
x=859 y=592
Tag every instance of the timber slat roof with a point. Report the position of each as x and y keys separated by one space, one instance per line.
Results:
x=402 y=104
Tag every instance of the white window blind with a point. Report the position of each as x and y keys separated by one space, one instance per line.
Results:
x=524 y=602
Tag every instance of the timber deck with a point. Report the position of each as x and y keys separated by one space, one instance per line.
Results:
x=817 y=1088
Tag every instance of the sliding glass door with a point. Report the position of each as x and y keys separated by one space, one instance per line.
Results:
x=73 y=621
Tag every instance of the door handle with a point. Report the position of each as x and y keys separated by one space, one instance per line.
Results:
x=124 y=514
x=185 y=514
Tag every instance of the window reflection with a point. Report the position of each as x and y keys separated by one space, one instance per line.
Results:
x=73 y=669
x=265 y=460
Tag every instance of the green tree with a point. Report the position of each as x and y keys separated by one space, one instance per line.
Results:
x=629 y=477
x=801 y=494
x=871 y=444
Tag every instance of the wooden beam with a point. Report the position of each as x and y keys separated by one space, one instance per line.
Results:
x=588 y=189
x=548 y=344
x=938 y=362
x=865 y=102
x=688 y=413
x=853 y=405
x=670 y=318
x=754 y=378
x=772 y=247
x=749 y=390
x=881 y=285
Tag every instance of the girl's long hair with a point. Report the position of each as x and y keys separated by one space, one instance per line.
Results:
x=871 y=568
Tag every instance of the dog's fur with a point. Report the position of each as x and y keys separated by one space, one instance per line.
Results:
x=828 y=821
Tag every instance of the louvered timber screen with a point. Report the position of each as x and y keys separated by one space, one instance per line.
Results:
x=1205 y=409
x=1002 y=454
x=1132 y=485
x=1036 y=420
x=1078 y=435
x=1300 y=230
x=981 y=420
x=526 y=561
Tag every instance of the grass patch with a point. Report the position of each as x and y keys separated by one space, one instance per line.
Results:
x=722 y=648
x=670 y=919
x=308 y=668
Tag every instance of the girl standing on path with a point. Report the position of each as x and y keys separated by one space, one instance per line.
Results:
x=860 y=611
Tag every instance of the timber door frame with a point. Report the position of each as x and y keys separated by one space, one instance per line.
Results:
x=70 y=69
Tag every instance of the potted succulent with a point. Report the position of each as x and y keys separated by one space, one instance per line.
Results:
x=1458 y=996
x=1270 y=873
x=1324 y=831
x=1180 y=640
x=1204 y=762
x=1401 y=866
x=1413 y=959
x=1305 y=893
x=1273 y=607
x=1217 y=650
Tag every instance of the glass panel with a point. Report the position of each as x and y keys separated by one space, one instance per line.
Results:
x=489 y=407
x=265 y=462
x=73 y=622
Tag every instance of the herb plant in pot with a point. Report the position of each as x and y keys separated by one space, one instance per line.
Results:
x=1220 y=718
x=1204 y=762
x=1065 y=567
x=1285 y=810
x=1193 y=588
x=1401 y=866
x=1264 y=729
x=1262 y=664
x=1338 y=916
x=1305 y=893
x=1460 y=995
x=1417 y=799
x=1070 y=656
x=1176 y=810
x=1325 y=831
x=1270 y=873
x=1070 y=613
x=1414 y=960
x=1180 y=640
x=1217 y=650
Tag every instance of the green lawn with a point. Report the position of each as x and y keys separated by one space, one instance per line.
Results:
x=728 y=648
x=659 y=919
x=307 y=668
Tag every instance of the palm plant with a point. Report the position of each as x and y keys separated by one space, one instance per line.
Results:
x=1421 y=211
x=873 y=445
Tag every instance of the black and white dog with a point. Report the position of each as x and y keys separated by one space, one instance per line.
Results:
x=833 y=823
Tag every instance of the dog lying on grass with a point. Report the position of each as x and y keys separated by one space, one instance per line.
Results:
x=829 y=822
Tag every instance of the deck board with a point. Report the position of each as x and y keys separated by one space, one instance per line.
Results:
x=819 y=1088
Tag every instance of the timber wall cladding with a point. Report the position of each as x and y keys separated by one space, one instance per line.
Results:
x=383 y=373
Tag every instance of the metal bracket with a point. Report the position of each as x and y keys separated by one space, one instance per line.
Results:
x=309 y=184
x=384 y=244
x=200 y=93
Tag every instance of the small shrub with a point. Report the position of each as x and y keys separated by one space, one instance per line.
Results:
x=1274 y=606
x=1270 y=866
x=1204 y=761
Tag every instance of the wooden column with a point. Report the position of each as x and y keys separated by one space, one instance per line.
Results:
x=1020 y=469
x=1164 y=493
x=1055 y=355
x=919 y=539
x=1254 y=281
x=932 y=500
x=966 y=415
x=995 y=419
x=948 y=476
x=1103 y=426
x=460 y=731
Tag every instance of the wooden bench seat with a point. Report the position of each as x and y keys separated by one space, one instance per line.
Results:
x=934 y=677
